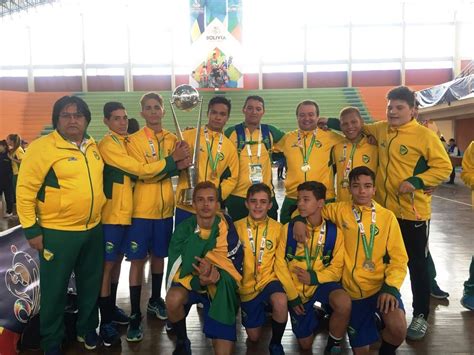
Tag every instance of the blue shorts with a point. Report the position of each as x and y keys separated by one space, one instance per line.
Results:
x=180 y=215
x=114 y=241
x=253 y=311
x=306 y=325
x=212 y=328
x=148 y=235
x=362 y=328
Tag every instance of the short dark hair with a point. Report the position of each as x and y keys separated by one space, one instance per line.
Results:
x=256 y=98
x=402 y=93
x=133 y=125
x=151 y=95
x=5 y=145
x=318 y=189
x=361 y=170
x=111 y=106
x=308 y=102
x=261 y=187
x=204 y=185
x=348 y=110
x=70 y=100
x=16 y=139
x=219 y=100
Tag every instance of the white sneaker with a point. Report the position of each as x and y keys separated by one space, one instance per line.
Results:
x=8 y=215
x=418 y=328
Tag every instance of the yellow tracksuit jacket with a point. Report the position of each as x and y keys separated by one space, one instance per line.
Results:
x=227 y=166
x=389 y=254
x=254 y=281
x=18 y=155
x=119 y=171
x=467 y=174
x=298 y=292
x=59 y=186
x=153 y=198
x=265 y=159
x=318 y=160
x=365 y=154
x=413 y=153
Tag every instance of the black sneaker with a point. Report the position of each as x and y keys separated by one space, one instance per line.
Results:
x=110 y=336
x=183 y=347
x=119 y=317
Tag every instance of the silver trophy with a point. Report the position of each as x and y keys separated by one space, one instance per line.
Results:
x=185 y=98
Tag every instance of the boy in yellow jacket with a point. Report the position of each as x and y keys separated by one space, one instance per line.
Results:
x=375 y=264
x=467 y=176
x=254 y=142
x=120 y=171
x=315 y=270
x=218 y=160
x=411 y=158
x=307 y=151
x=354 y=150
x=60 y=199
x=205 y=266
x=153 y=207
x=264 y=257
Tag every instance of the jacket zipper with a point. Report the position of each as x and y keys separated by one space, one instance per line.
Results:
x=355 y=264
x=386 y=169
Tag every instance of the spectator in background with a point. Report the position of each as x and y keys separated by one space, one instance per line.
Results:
x=133 y=126
x=6 y=176
x=16 y=155
x=453 y=151
x=24 y=144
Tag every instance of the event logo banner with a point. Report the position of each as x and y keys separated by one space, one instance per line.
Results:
x=216 y=36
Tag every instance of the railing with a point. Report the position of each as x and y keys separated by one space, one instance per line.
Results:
x=468 y=70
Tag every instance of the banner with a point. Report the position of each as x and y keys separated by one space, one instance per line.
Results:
x=216 y=49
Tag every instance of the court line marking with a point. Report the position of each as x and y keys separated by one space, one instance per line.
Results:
x=455 y=201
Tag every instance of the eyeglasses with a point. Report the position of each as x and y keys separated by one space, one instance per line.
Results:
x=76 y=115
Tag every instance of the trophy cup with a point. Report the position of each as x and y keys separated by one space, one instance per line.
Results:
x=185 y=98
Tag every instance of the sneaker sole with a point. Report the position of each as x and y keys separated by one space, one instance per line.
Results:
x=108 y=345
x=439 y=297
x=83 y=341
x=466 y=306
x=415 y=339
x=121 y=323
x=134 y=340
x=152 y=313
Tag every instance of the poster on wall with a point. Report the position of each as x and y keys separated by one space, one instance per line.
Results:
x=216 y=49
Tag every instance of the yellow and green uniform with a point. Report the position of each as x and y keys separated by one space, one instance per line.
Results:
x=256 y=275
x=467 y=174
x=320 y=271
x=214 y=245
x=344 y=157
x=60 y=197
x=388 y=253
x=410 y=153
x=315 y=151
x=60 y=186
x=120 y=172
x=153 y=198
x=17 y=155
x=227 y=167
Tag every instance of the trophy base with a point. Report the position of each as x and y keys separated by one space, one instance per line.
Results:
x=186 y=197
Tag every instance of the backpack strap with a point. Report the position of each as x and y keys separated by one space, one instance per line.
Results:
x=290 y=249
x=330 y=242
x=266 y=137
x=240 y=131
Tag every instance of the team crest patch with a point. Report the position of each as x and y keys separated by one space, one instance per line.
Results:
x=109 y=247
x=269 y=244
x=365 y=158
x=403 y=150
x=221 y=156
x=318 y=143
x=344 y=225
x=96 y=155
x=72 y=159
x=134 y=247
x=376 y=230
x=383 y=144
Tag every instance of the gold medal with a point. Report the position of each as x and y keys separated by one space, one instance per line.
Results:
x=369 y=265
x=305 y=167
x=345 y=183
x=213 y=174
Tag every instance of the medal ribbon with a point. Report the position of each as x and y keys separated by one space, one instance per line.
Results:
x=152 y=145
x=213 y=161
x=368 y=248
x=348 y=168
x=306 y=154
x=259 y=149
x=262 y=243
x=307 y=253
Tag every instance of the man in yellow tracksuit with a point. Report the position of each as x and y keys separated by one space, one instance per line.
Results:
x=307 y=151
x=60 y=198
x=254 y=142
x=153 y=208
x=314 y=271
x=205 y=266
x=218 y=160
x=353 y=151
x=16 y=156
x=375 y=264
x=264 y=256
x=411 y=157
x=120 y=171
x=467 y=176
